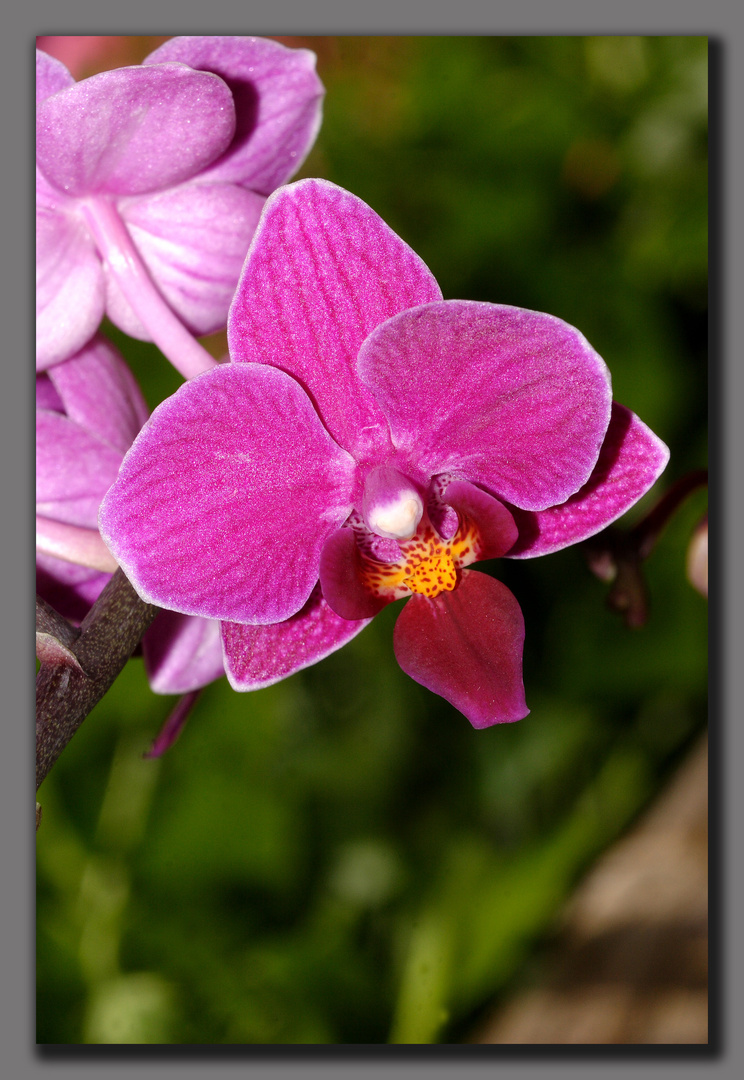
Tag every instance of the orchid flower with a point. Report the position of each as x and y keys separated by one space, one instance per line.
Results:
x=369 y=441
x=88 y=410
x=150 y=181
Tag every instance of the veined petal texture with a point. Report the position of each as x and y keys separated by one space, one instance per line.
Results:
x=257 y=656
x=70 y=290
x=631 y=460
x=193 y=239
x=512 y=399
x=322 y=272
x=133 y=130
x=74 y=469
x=99 y=393
x=223 y=504
x=278 y=104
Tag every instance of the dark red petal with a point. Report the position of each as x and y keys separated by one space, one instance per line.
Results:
x=496 y=527
x=340 y=579
x=466 y=646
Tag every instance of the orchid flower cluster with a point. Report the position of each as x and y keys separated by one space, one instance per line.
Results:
x=366 y=440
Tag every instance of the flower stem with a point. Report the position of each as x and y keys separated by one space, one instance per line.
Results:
x=84 y=666
x=616 y=556
x=126 y=266
x=646 y=532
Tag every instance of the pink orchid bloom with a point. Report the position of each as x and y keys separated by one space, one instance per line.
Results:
x=88 y=410
x=149 y=184
x=368 y=441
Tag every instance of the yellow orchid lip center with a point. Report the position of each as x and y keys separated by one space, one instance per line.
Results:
x=428 y=565
x=433 y=575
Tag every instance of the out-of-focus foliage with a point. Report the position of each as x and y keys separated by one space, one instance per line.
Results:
x=341 y=858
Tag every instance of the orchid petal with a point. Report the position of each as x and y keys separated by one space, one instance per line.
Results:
x=46 y=396
x=511 y=399
x=73 y=470
x=466 y=646
x=70 y=589
x=99 y=394
x=193 y=240
x=497 y=531
x=341 y=582
x=182 y=653
x=51 y=76
x=223 y=504
x=323 y=270
x=278 y=99
x=69 y=287
x=132 y=130
x=631 y=460
x=78 y=544
x=257 y=656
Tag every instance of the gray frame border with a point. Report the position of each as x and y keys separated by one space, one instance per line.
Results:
x=716 y=19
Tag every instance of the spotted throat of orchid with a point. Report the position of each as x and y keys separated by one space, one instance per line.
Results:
x=370 y=441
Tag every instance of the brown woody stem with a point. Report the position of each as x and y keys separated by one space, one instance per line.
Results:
x=78 y=667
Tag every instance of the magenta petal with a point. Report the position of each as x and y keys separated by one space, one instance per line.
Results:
x=193 y=240
x=323 y=270
x=182 y=653
x=51 y=76
x=132 y=130
x=466 y=646
x=73 y=470
x=46 y=396
x=340 y=580
x=496 y=528
x=631 y=460
x=99 y=393
x=511 y=399
x=69 y=588
x=278 y=99
x=223 y=504
x=70 y=292
x=257 y=656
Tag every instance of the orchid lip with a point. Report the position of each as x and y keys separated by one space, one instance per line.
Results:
x=427 y=565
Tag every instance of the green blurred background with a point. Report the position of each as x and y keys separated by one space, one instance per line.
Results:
x=340 y=858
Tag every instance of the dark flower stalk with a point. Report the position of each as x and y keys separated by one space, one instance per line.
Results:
x=616 y=556
x=79 y=666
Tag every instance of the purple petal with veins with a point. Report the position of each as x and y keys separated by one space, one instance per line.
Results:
x=235 y=465
x=514 y=400
x=193 y=240
x=631 y=460
x=278 y=100
x=257 y=656
x=322 y=272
